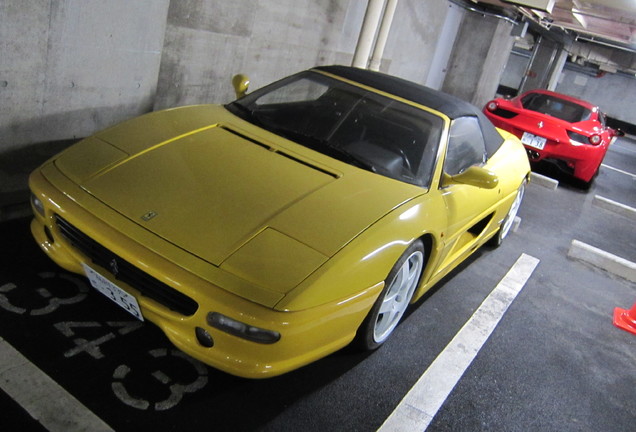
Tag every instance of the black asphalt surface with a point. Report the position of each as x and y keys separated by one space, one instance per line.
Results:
x=554 y=363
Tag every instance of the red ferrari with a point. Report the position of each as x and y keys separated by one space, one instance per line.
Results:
x=556 y=128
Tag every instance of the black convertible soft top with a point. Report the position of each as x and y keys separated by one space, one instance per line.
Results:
x=447 y=104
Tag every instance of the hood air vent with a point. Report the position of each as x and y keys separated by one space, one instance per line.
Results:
x=288 y=156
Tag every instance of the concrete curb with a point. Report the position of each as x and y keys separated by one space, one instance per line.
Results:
x=616 y=207
x=544 y=181
x=603 y=260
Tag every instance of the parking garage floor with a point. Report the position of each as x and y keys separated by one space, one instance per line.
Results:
x=554 y=362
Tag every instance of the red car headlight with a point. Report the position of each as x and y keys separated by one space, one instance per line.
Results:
x=492 y=106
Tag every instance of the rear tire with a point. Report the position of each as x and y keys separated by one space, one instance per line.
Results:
x=587 y=185
x=394 y=299
x=506 y=224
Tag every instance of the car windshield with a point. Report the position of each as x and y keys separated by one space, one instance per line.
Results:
x=555 y=107
x=354 y=125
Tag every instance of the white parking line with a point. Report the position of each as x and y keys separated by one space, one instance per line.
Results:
x=42 y=397
x=619 y=170
x=623 y=148
x=421 y=403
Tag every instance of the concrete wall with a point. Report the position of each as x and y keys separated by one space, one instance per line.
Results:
x=208 y=41
x=415 y=36
x=613 y=93
x=71 y=67
x=68 y=66
x=542 y=63
x=515 y=70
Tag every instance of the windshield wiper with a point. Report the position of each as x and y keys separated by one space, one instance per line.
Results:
x=353 y=159
x=241 y=107
x=248 y=114
x=323 y=146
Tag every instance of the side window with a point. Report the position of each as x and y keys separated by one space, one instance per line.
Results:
x=465 y=146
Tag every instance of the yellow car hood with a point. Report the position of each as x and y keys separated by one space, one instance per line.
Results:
x=212 y=188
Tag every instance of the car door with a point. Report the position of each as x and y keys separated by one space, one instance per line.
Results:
x=470 y=209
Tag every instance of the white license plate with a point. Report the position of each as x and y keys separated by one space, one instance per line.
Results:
x=533 y=141
x=113 y=292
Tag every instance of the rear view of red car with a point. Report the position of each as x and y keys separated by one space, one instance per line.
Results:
x=556 y=128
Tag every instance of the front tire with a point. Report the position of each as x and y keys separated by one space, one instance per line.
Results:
x=388 y=309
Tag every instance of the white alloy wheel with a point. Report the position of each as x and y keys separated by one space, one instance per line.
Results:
x=398 y=295
x=504 y=229
x=399 y=286
x=510 y=218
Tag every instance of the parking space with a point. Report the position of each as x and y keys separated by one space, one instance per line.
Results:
x=554 y=362
x=618 y=173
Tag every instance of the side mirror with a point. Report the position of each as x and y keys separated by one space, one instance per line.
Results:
x=240 y=83
x=473 y=176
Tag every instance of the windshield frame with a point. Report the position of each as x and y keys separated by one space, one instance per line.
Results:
x=340 y=108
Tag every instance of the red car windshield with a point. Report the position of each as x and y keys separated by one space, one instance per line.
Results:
x=555 y=107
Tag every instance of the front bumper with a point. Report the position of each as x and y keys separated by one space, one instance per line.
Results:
x=306 y=335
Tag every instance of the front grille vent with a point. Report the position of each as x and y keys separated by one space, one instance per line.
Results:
x=147 y=285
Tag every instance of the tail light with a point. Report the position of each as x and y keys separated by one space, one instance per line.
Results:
x=584 y=139
x=595 y=139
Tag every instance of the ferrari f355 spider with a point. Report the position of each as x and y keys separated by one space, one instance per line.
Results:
x=267 y=233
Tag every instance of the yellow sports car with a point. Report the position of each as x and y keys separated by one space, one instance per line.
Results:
x=267 y=233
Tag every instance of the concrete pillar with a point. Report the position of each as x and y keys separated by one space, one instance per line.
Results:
x=444 y=47
x=480 y=54
x=494 y=63
x=545 y=64
x=557 y=69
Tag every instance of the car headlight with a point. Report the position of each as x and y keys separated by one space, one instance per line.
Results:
x=37 y=204
x=242 y=330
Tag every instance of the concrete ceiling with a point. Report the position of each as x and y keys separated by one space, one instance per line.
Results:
x=606 y=22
